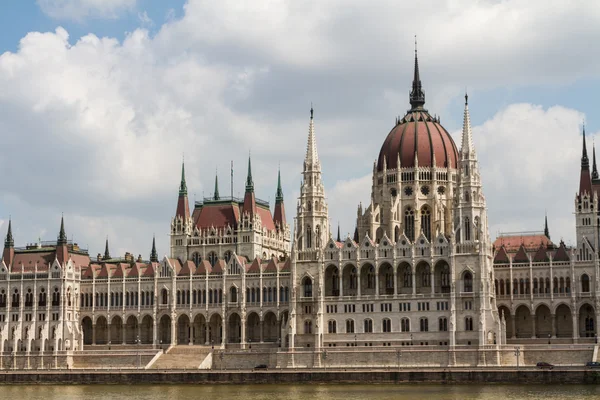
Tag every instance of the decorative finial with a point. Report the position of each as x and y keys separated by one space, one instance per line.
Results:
x=311 y=110
x=466 y=98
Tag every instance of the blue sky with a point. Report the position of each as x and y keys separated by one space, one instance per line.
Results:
x=109 y=111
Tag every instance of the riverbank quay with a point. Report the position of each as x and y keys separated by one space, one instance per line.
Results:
x=569 y=375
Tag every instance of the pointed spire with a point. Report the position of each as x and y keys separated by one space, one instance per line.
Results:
x=62 y=236
x=153 y=253
x=467 y=149
x=311 y=148
x=417 y=95
x=182 y=185
x=546 y=230
x=249 y=182
x=594 y=168
x=279 y=194
x=585 y=162
x=106 y=252
x=339 y=238
x=216 y=194
x=10 y=241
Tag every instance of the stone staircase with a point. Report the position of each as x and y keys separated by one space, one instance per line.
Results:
x=182 y=357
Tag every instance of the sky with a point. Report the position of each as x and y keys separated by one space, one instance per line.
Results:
x=100 y=100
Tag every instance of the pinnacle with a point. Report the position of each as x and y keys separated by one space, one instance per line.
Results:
x=62 y=236
x=9 y=242
x=312 y=156
x=153 y=253
x=467 y=149
x=249 y=181
x=183 y=185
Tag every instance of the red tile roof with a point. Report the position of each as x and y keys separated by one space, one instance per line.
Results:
x=541 y=255
x=530 y=241
x=266 y=218
x=521 y=256
x=501 y=256
x=561 y=253
x=217 y=215
x=203 y=268
x=271 y=266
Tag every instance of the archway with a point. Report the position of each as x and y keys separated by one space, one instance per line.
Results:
x=564 y=321
x=587 y=321
x=87 y=329
x=147 y=330
x=367 y=280
x=442 y=277
x=503 y=310
x=404 y=278
x=199 y=329
x=101 y=330
x=423 y=272
x=253 y=328
x=386 y=279
x=164 y=330
x=131 y=330
x=523 y=323
x=215 y=328
x=350 y=280
x=332 y=281
x=183 y=329
x=543 y=322
x=234 y=328
x=270 y=327
x=116 y=330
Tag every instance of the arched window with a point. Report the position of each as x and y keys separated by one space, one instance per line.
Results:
x=561 y=287
x=371 y=278
x=445 y=278
x=585 y=283
x=331 y=327
x=555 y=285
x=443 y=324
x=308 y=236
x=424 y=324
x=353 y=279
x=468 y=324
x=409 y=224
x=165 y=296
x=405 y=325
x=196 y=258
x=368 y=325
x=527 y=286
x=227 y=256
x=307 y=327
x=426 y=277
x=233 y=294
x=318 y=236
x=307 y=286
x=407 y=277
x=349 y=326
x=386 y=325
x=467 y=229
x=426 y=222
x=468 y=282
x=568 y=285
x=335 y=283
x=212 y=258
x=501 y=287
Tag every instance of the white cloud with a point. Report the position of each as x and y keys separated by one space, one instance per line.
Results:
x=79 y=10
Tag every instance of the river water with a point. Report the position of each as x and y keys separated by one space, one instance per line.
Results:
x=302 y=392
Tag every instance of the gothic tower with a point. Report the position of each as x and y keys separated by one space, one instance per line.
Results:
x=181 y=224
x=586 y=207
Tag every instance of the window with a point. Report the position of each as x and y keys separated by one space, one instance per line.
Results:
x=426 y=222
x=424 y=324
x=467 y=222
x=404 y=307
x=407 y=277
x=409 y=224
x=468 y=305
x=165 y=296
x=386 y=325
x=307 y=285
x=233 y=294
x=349 y=326
x=331 y=327
x=405 y=325
x=468 y=282
x=212 y=258
x=15 y=298
x=468 y=323
x=585 y=283
x=443 y=324
x=197 y=259
x=307 y=327
x=368 y=326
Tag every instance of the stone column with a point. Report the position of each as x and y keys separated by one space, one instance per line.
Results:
x=341 y=285
x=124 y=332
x=206 y=334
x=262 y=325
x=513 y=322
x=243 y=338
x=533 y=335
x=108 y=325
x=414 y=279
x=93 y=334
x=432 y=280
x=377 y=282
x=553 y=326
x=575 y=327
x=358 y=281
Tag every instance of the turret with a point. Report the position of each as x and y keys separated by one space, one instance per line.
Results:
x=279 y=216
x=183 y=206
x=62 y=252
x=9 y=246
x=249 y=198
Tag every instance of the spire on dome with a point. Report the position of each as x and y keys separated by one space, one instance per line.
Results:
x=279 y=194
x=10 y=241
x=62 y=236
x=249 y=182
x=546 y=230
x=216 y=194
x=182 y=185
x=467 y=150
x=311 y=148
x=153 y=253
x=417 y=95
x=106 y=252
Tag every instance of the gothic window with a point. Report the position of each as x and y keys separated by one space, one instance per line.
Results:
x=424 y=325
x=56 y=297
x=227 y=256
x=212 y=258
x=466 y=195
x=468 y=323
x=353 y=279
x=468 y=282
x=335 y=283
x=197 y=259
x=467 y=229
x=307 y=286
x=527 y=286
x=318 y=236
x=407 y=277
x=426 y=277
x=445 y=278
x=371 y=278
x=349 y=326
x=535 y=286
x=409 y=224
x=501 y=287
x=307 y=327
x=368 y=325
x=331 y=326
x=386 y=325
x=426 y=222
x=477 y=228
x=405 y=325
x=561 y=288
x=165 y=296
x=585 y=283
x=308 y=237
x=555 y=285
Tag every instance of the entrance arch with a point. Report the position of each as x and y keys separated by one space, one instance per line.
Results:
x=270 y=327
x=131 y=330
x=543 y=322
x=564 y=321
x=164 y=330
x=199 y=329
x=87 y=329
x=147 y=330
x=101 y=330
x=523 y=323
x=116 y=330
x=215 y=329
x=253 y=328
x=587 y=321
x=183 y=329
x=234 y=328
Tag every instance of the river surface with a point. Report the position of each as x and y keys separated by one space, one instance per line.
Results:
x=302 y=392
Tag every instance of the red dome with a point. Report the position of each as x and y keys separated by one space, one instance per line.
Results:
x=418 y=133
